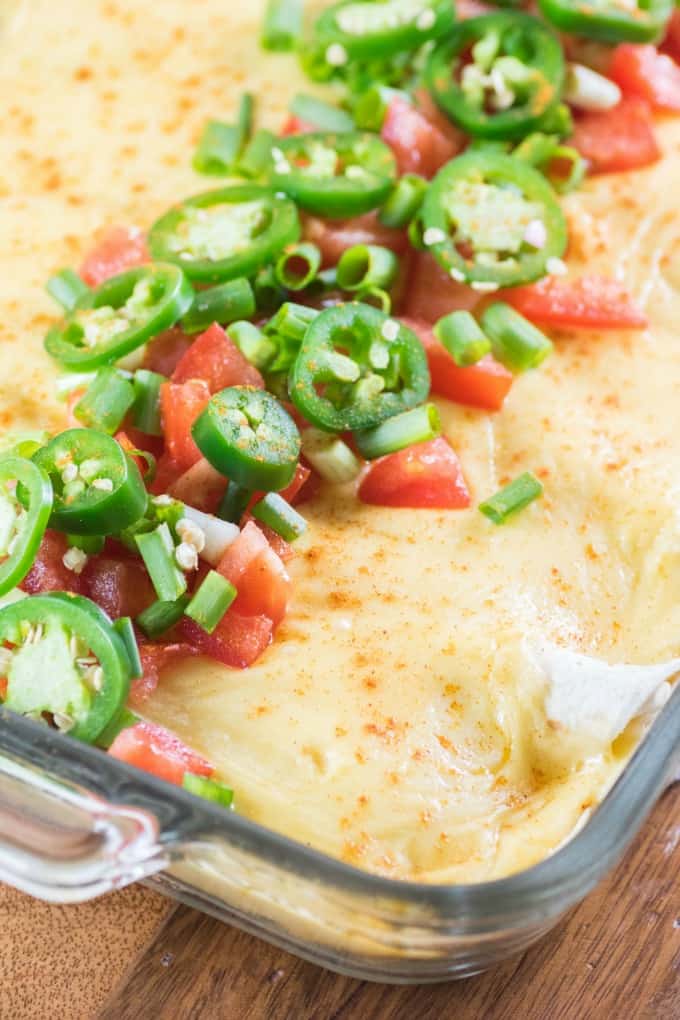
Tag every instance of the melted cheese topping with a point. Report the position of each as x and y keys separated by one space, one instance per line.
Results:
x=399 y=720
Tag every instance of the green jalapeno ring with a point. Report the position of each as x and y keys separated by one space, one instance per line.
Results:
x=170 y=294
x=47 y=674
x=477 y=169
x=520 y=36
x=369 y=30
x=269 y=222
x=98 y=489
x=34 y=495
x=249 y=437
x=367 y=164
x=609 y=23
x=383 y=372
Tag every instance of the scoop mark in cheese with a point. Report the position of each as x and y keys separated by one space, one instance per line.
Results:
x=598 y=699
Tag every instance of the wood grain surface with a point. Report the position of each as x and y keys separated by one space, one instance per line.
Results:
x=135 y=956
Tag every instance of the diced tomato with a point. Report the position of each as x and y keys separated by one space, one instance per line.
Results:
x=238 y=641
x=252 y=566
x=202 y=486
x=484 y=385
x=471 y=9
x=425 y=475
x=643 y=71
x=181 y=404
x=121 y=587
x=618 y=139
x=310 y=488
x=334 y=237
x=421 y=139
x=167 y=473
x=283 y=549
x=165 y=351
x=591 y=302
x=120 y=248
x=295 y=126
x=300 y=479
x=671 y=43
x=155 y=658
x=216 y=359
x=48 y=572
x=155 y=749
x=431 y=292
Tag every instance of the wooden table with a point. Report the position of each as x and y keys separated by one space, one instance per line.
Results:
x=137 y=956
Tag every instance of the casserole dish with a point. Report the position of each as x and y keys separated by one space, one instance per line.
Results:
x=75 y=824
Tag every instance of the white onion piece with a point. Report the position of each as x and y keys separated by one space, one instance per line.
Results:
x=219 y=535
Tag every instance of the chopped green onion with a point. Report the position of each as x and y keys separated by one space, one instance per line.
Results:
x=513 y=498
x=146 y=411
x=416 y=232
x=404 y=202
x=330 y=456
x=120 y=722
x=298 y=266
x=208 y=789
x=106 y=401
x=224 y=303
x=67 y=288
x=462 y=338
x=371 y=106
x=234 y=503
x=515 y=341
x=277 y=514
x=157 y=549
x=282 y=26
x=211 y=601
x=321 y=115
x=252 y=343
x=257 y=154
x=415 y=426
x=221 y=145
x=124 y=628
x=377 y=297
x=269 y=294
x=292 y=321
x=89 y=544
x=367 y=265
x=160 y=617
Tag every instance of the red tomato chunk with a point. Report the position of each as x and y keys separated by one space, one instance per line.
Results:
x=592 y=302
x=120 y=248
x=422 y=139
x=619 y=139
x=181 y=404
x=157 y=750
x=238 y=641
x=643 y=71
x=48 y=572
x=252 y=566
x=425 y=475
x=484 y=385
x=216 y=359
x=156 y=658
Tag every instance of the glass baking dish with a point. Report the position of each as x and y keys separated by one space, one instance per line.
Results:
x=75 y=823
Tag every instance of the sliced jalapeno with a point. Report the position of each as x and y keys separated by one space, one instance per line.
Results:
x=219 y=235
x=356 y=367
x=62 y=658
x=368 y=30
x=482 y=216
x=514 y=77
x=98 y=489
x=334 y=175
x=119 y=316
x=247 y=435
x=25 y=507
x=610 y=21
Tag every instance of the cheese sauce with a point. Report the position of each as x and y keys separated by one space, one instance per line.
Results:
x=399 y=720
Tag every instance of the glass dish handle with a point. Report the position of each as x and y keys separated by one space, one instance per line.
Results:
x=68 y=845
